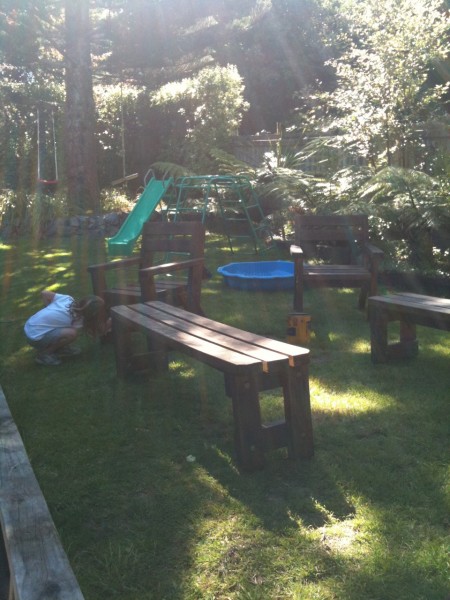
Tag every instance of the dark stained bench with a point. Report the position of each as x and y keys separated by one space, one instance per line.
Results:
x=410 y=310
x=250 y=364
x=33 y=564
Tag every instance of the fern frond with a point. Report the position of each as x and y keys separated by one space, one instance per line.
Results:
x=227 y=164
x=168 y=169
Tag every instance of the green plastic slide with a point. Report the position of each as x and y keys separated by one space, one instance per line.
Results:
x=123 y=242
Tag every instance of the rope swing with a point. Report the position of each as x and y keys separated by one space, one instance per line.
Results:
x=124 y=177
x=49 y=185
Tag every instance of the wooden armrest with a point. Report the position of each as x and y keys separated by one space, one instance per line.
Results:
x=373 y=250
x=170 y=267
x=115 y=264
x=296 y=251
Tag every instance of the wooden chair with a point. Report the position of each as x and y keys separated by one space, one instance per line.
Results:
x=167 y=249
x=343 y=257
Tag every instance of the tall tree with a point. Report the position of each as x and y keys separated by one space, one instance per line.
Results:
x=80 y=141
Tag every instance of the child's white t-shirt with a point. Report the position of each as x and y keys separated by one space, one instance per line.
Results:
x=55 y=315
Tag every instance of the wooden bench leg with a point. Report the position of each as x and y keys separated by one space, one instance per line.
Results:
x=408 y=339
x=297 y=410
x=122 y=346
x=248 y=434
x=378 y=322
x=381 y=351
x=127 y=361
x=408 y=346
x=363 y=294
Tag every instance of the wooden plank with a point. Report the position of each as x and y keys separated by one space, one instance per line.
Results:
x=215 y=356
x=38 y=565
x=296 y=354
x=414 y=303
x=331 y=228
x=338 y=270
x=269 y=358
x=428 y=301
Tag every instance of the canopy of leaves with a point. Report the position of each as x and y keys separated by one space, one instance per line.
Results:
x=381 y=96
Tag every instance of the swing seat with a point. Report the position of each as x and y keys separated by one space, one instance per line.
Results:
x=47 y=186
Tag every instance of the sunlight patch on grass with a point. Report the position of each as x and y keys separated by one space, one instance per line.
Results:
x=340 y=537
x=17 y=359
x=45 y=254
x=182 y=369
x=360 y=346
x=348 y=403
x=226 y=550
x=5 y=246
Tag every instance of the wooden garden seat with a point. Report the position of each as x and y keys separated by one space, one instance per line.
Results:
x=169 y=268
x=339 y=245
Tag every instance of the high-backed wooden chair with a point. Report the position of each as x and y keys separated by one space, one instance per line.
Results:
x=169 y=268
x=341 y=255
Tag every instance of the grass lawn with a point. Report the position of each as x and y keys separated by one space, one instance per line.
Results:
x=366 y=519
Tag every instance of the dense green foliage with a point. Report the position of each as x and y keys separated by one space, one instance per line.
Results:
x=381 y=100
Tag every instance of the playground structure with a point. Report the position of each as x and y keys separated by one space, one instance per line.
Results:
x=230 y=198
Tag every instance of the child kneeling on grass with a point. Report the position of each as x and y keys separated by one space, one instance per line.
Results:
x=52 y=330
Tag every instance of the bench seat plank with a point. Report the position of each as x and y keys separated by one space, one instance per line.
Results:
x=223 y=336
x=217 y=357
x=416 y=302
x=245 y=341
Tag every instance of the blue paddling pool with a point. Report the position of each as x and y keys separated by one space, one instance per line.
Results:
x=272 y=275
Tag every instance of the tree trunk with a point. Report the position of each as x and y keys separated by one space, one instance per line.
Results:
x=80 y=125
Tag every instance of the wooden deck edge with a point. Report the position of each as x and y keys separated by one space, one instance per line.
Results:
x=37 y=563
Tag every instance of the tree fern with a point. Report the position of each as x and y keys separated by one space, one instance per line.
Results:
x=168 y=169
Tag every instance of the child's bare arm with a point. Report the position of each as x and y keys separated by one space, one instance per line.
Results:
x=47 y=297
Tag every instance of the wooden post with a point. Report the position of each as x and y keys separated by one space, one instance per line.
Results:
x=297 y=409
x=378 y=322
x=122 y=345
x=248 y=434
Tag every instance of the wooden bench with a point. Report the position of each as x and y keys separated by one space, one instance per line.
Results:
x=410 y=310
x=33 y=564
x=250 y=364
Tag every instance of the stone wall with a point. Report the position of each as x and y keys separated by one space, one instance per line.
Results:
x=96 y=226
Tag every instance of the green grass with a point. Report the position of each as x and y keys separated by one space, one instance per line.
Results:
x=366 y=519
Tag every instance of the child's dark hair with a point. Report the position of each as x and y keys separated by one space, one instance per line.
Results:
x=92 y=310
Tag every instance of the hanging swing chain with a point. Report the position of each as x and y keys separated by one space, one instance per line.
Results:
x=122 y=132
x=55 y=153
x=55 y=145
x=38 y=145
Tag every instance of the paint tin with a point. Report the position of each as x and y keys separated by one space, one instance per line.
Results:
x=298 y=328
